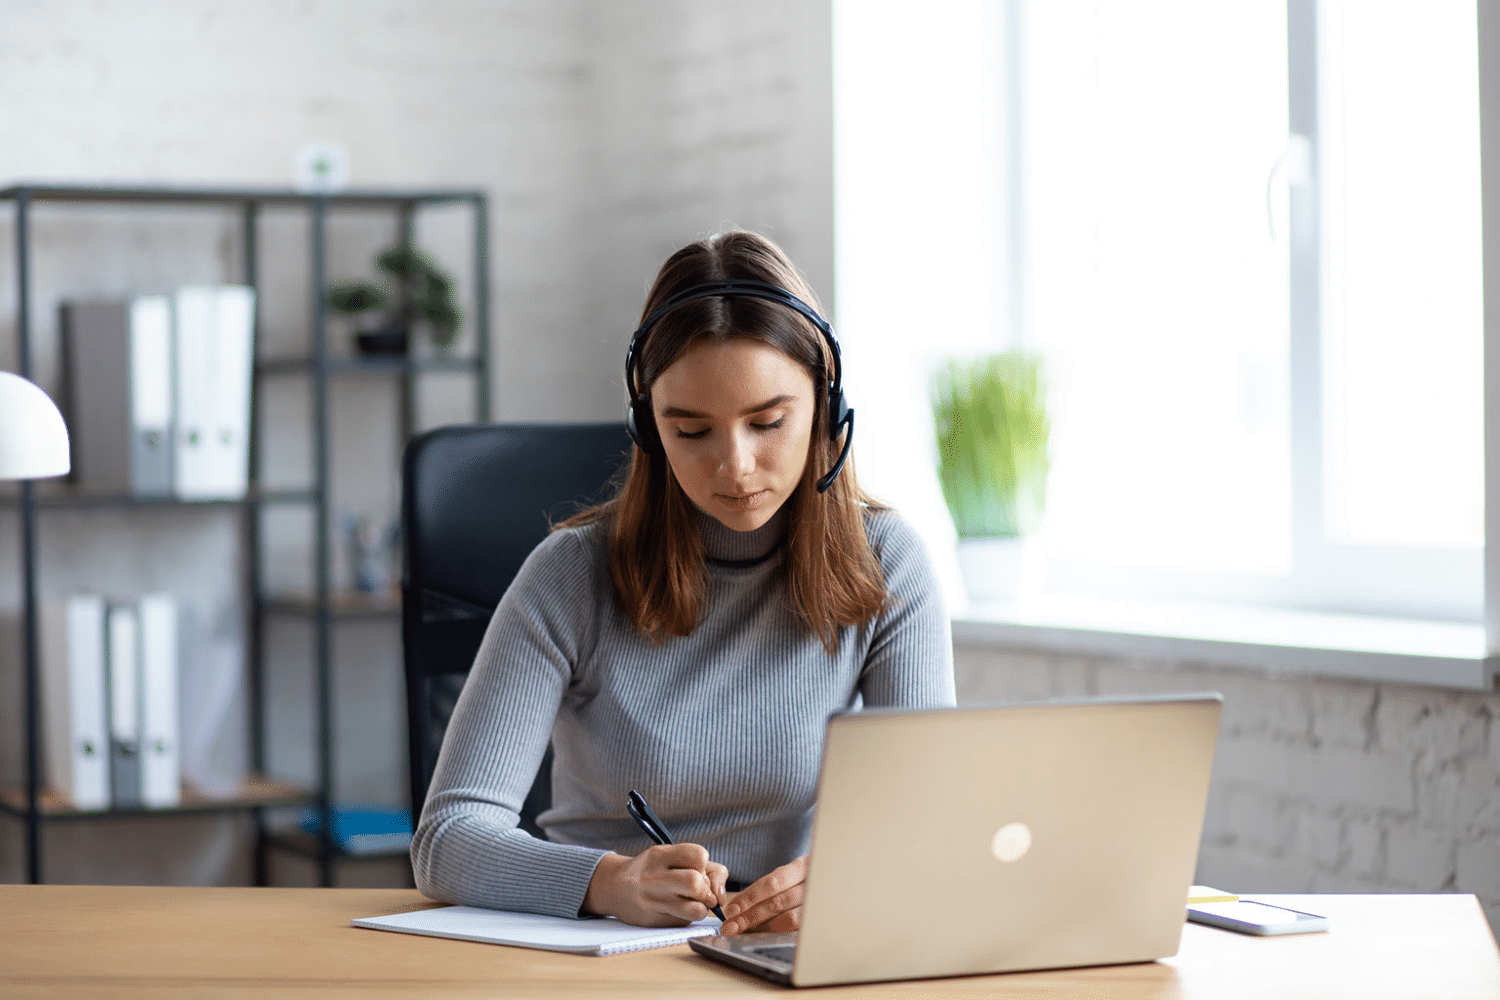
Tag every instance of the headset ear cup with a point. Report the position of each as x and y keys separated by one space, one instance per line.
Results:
x=640 y=424
x=635 y=435
x=838 y=410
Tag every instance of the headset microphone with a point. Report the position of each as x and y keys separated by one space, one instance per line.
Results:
x=640 y=422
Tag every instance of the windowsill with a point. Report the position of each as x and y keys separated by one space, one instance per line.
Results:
x=1389 y=650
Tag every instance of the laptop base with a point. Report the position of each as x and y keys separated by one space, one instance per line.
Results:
x=765 y=955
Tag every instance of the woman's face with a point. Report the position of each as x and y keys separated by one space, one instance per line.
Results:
x=735 y=418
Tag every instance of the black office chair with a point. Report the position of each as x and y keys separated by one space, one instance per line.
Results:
x=475 y=500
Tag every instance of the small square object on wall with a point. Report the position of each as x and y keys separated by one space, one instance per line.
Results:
x=322 y=168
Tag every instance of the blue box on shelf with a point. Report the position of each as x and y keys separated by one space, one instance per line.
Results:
x=366 y=830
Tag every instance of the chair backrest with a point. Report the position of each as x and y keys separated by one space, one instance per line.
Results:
x=475 y=501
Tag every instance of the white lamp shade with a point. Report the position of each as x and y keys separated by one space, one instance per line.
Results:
x=33 y=437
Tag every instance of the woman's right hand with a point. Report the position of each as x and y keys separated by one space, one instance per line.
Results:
x=664 y=886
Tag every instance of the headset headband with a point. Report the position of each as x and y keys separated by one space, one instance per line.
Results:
x=641 y=423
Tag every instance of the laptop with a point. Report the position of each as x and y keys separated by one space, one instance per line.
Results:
x=962 y=841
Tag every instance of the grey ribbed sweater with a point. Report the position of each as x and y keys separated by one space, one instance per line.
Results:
x=721 y=730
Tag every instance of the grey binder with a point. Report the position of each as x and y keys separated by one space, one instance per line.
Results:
x=118 y=356
x=122 y=641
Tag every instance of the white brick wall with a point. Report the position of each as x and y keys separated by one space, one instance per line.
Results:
x=703 y=115
x=1319 y=785
x=449 y=92
x=607 y=134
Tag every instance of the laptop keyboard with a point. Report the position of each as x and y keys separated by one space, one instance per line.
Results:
x=777 y=952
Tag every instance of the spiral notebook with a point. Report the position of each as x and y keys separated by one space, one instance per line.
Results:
x=595 y=936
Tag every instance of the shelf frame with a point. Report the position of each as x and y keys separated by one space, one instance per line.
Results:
x=207 y=197
x=343 y=605
x=378 y=365
x=71 y=499
x=323 y=607
x=254 y=793
x=29 y=600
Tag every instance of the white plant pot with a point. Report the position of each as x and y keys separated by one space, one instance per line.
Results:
x=992 y=567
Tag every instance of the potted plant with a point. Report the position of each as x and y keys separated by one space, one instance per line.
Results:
x=415 y=291
x=990 y=418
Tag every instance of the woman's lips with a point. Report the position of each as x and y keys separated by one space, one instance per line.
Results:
x=743 y=501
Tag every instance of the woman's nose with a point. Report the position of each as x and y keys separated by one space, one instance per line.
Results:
x=738 y=457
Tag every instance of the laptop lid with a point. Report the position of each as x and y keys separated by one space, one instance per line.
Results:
x=992 y=839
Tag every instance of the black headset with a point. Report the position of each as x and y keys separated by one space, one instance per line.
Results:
x=640 y=422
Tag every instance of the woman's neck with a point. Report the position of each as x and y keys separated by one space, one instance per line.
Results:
x=723 y=544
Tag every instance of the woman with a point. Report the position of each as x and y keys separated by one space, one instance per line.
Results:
x=690 y=637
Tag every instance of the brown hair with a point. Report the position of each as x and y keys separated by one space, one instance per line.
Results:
x=656 y=558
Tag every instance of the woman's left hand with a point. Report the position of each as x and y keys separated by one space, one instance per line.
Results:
x=773 y=903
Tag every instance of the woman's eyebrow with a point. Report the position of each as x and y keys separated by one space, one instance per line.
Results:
x=677 y=411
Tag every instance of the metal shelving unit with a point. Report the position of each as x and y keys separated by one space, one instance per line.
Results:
x=36 y=806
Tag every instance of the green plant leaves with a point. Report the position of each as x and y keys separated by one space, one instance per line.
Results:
x=356 y=297
x=422 y=292
x=404 y=263
x=990 y=418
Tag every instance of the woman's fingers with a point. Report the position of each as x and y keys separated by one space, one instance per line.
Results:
x=686 y=861
x=683 y=881
x=782 y=911
x=686 y=884
x=783 y=922
x=718 y=877
x=662 y=886
x=788 y=875
x=694 y=856
x=677 y=906
x=776 y=897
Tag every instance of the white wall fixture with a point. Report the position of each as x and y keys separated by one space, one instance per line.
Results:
x=322 y=167
x=33 y=437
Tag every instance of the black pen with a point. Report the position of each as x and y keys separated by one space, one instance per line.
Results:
x=647 y=820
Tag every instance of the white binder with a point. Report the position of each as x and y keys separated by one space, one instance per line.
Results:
x=215 y=353
x=195 y=311
x=73 y=708
x=161 y=771
x=119 y=374
x=122 y=641
x=151 y=396
x=234 y=357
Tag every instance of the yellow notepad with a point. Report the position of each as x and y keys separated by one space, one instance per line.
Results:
x=1207 y=894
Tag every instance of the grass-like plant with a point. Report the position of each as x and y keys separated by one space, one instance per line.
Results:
x=990 y=415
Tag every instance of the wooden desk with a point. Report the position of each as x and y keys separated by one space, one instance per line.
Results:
x=92 y=941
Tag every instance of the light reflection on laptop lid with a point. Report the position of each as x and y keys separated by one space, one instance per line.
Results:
x=993 y=839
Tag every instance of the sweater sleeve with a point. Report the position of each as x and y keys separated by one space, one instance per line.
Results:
x=468 y=848
x=909 y=663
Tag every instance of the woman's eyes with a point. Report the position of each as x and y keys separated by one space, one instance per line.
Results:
x=695 y=435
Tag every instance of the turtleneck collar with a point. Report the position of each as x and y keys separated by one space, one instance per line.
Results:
x=725 y=545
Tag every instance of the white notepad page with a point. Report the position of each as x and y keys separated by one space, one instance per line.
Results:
x=602 y=936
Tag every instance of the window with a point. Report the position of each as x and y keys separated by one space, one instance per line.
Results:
x=1154 y=285
x=1248 y=249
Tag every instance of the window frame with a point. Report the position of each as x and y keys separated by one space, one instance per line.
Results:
x=1325 y=574
x=1464 y=656
x=1489 y=172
